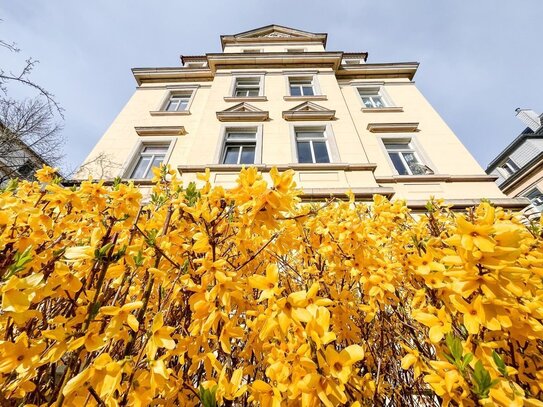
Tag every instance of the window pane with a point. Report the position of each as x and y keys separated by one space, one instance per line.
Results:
x=247 y=155
x=172 y=105
x=398 y=164
x=141 y=167
x=304 y=152
x=158 y=159
x=252 y=92
x=308 y=91
x=231 y=155
x=367 y=102
x=378 y=101
x=295 y=91
x=413 y=163
x=321 y=153
x=183 y=103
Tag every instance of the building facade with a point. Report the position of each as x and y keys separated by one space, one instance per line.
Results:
x=519 y=167
x=276 y=97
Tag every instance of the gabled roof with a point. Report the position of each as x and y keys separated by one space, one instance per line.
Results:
x=242 y=112
x=273 y=33
x=526 y=134
x=309 y=111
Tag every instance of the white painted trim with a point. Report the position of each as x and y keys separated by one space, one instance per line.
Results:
x=177 y=90
x=302 y=75
x=330 y=139
x=134 y=155
x=258 y=128
x=402 y=137
x=246 y=75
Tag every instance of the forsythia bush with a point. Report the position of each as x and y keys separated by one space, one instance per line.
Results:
x=248 y=297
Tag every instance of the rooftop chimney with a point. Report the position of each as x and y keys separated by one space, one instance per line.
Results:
x=529 y=118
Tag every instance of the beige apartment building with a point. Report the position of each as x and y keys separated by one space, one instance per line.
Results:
x=275 y=97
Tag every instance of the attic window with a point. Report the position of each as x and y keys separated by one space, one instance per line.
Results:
x=252 y=50
x=295 y=49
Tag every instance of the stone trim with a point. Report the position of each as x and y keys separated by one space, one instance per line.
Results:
x=393 y=127
x=388 y=109
x=161 y=131
x=281 y=167
x=302 y=98
x=242 y=112
x=166 y=113
x=395 y=179
x=508 y=203
x=245 y=99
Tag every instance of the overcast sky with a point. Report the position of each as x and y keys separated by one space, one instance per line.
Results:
x=479 y=59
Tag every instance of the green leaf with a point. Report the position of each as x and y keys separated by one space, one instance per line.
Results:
x=20 y=260
x=191 y=194
x=499 y=363
x=482 y=381
x=207 y=396
x=455 y=347
x=466 y=359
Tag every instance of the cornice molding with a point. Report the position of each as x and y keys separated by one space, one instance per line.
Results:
x=300 y=98
x=161 y=131
x=459 y=204
x=398 y=179
x=281 y=167
x=380 y=70
x=274 y=60
x=393 y=127
x=273 y=33
x=166 y=113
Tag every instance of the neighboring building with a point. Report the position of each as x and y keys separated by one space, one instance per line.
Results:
x=276 y=97
x=17 y=160
x=519 y=167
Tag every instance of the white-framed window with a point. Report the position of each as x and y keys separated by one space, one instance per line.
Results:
x=509 y=167
x=178 y=100
x=148 y=153
x=247 y=86
x=301 y=86
x=536 y=198
x=177 y=103
x=372 y=98
x=240 y=146
x=405 y=158
x=150 y=156
x=312 y=145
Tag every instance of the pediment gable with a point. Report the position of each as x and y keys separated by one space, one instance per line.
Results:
x=242 y=112
x=309 y=111
x=271 y=33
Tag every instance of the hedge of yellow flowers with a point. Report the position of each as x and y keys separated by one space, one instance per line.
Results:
x=246 y=296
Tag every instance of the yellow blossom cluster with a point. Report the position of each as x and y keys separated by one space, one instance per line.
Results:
x=248 y=296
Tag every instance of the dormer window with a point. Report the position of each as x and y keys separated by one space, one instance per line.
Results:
x=509 y=167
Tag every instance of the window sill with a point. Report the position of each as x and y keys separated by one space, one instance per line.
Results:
x=389 y=109
x=312 y=97
x=245 y=99
x=165 y=113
